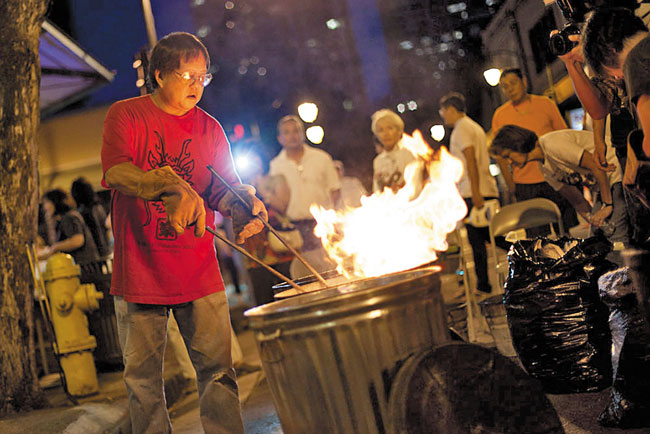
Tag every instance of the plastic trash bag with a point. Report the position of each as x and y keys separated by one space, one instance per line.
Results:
x=629 y=405
x=558 y=323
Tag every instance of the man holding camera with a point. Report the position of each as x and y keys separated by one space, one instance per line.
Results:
x=615 y=45
x=603 y=94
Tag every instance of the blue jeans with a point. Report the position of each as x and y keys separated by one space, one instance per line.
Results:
x=205 y=327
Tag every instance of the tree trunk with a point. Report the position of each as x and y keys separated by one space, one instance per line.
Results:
x=20 y=26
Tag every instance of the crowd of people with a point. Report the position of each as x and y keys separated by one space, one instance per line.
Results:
x=156 y=147
x=77 y=224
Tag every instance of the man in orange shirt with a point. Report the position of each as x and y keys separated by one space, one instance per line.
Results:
x=540 y=115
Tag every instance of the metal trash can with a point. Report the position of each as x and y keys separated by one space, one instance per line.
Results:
x=330 y=356
x=494 y=312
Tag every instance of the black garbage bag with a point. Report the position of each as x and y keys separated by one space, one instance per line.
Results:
x=629 y=405
x=557 y=321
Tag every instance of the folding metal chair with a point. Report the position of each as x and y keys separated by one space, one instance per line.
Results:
x=522 y=215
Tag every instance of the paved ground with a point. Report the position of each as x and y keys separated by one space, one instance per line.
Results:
x=106 y=411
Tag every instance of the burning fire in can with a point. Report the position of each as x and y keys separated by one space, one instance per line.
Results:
x=396 y=231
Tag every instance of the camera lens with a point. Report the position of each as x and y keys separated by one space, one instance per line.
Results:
x=560 y=44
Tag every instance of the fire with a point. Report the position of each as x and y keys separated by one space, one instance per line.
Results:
x=390 y=231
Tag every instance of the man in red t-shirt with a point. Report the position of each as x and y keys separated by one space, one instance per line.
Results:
x=154 y=156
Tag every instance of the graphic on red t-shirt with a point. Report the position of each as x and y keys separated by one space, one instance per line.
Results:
x=164 y=231
x=183 y=165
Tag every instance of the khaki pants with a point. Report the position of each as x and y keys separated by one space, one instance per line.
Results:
x=205 y=325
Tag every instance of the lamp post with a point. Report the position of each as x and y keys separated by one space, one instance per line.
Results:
x=308 y=111
x=492 y=76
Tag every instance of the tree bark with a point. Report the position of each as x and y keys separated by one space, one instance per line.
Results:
x=20 y=27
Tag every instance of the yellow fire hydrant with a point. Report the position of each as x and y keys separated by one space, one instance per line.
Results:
x=74 y=344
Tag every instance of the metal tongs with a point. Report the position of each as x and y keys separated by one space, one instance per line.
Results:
x=273 y=231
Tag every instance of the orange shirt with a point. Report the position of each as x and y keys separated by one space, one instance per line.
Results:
x=538 y=114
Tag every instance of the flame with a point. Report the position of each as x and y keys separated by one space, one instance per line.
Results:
x=391 y=231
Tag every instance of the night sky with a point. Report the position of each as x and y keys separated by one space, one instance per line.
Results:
x=384 y=53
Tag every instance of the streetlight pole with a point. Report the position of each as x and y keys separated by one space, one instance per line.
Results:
x=514 y=25
x=149 y=23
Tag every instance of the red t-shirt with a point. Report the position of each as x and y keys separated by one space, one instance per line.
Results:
x=152 y=264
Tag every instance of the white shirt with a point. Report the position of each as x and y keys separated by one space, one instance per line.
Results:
x=563 y=151
x=389 y=166
x=467 y=133
x=351 y=192
x=311 y=181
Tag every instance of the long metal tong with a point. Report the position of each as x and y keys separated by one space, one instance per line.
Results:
x=270 y=228
x=298 y=289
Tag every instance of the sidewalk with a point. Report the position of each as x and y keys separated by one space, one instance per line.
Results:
x=107 y=411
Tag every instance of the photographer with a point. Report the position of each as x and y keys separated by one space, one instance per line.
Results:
x=615 y=44
x=602 y=94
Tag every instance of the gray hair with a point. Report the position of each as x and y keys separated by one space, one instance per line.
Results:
x=291 y=118
x=385 y=113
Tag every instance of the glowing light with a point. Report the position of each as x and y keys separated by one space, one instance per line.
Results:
x=492 y=76
x=456 y=7
x=242 y=163
x=315 y=134
x=333 y=24
x=412 y=105
x=261 y=71
x=203 y=31
x=229 y=5
x=239 y=131
x=494 y=170
x=395 y=231
x=401 y=108
x=437 y=132
x=139 y=82
x=406 y=45
x=308 y=111
x=137 y=63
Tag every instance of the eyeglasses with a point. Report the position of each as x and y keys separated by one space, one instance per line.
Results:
x=190 y=78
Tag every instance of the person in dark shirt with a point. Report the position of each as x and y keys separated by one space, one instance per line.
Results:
x=616 y=44
x=72 y=234
x=93 y=214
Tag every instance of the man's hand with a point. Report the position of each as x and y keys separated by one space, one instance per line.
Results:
x=183 y=205
x=244 y=222
x=600 y=152
x=478 y=202
x=599 y=217
x=185 y=209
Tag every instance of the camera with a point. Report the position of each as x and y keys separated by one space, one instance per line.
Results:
x=559 y=43
x=574 y=12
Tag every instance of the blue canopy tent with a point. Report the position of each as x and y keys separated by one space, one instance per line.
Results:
x=68 y=72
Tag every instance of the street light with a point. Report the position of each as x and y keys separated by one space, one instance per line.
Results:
x=315 y=134
x=437 y=132
x=308 y=111
x=492 y=76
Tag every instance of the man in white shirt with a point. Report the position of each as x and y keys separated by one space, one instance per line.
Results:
x=312 y=179
x=567 y=158
x=468 y=143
